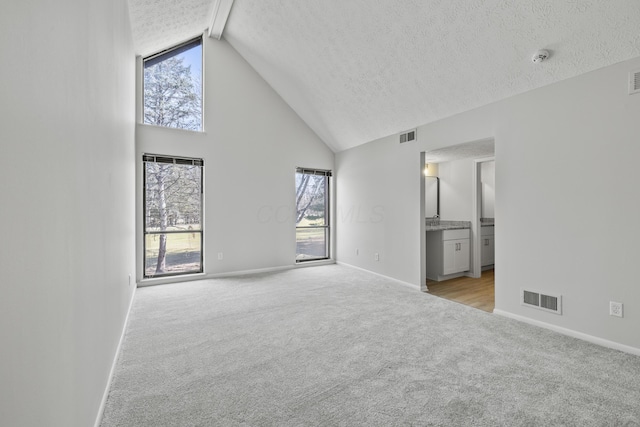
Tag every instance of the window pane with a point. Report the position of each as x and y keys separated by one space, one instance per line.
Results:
x=183 y=254
x=173 y=197
x=172 y=215
x=311 y=243
x=312 y=218
x=310 y=200
x=173 y=88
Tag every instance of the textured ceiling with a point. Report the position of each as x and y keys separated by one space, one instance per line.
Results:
x=359 y=70
x=467 y=150
x=159 y=24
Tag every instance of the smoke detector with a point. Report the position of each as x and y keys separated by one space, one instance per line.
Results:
x=540 y=56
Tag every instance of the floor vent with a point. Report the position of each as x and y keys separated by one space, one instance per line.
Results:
x=634 y=82
x=408 y=136
x=552 y=303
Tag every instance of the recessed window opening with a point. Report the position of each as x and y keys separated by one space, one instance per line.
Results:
x=172 y=94
x=312 y=214
x=173 y=229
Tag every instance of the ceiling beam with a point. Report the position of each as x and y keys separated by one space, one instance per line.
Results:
x=221 y=10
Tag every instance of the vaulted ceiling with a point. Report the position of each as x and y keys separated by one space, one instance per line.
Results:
x=359 y=70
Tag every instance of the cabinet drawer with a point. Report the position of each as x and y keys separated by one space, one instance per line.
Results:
x=487 y=231
x=455 y=234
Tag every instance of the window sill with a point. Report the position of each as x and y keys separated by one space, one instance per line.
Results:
x=197 y=132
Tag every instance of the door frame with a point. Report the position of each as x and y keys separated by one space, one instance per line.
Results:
x=476 y=207
x=423 y=229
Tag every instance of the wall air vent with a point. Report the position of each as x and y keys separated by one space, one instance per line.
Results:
x=552 y=303
x=634 y=82
x=408 y=136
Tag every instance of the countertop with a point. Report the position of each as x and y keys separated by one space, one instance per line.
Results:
x=439 y=225
x=487 y=222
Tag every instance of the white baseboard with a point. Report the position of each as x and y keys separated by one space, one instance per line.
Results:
x=570 y=332
x=103 y=403
x=411 y=285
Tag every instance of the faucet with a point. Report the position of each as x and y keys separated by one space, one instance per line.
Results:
x=435 y=220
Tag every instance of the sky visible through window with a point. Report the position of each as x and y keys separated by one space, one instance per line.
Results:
x=193 y=58
x=173 y=88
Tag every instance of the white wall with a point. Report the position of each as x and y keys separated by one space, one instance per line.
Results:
x=67 y=210
x=456 y=190
x=552 y=235
x=378 y=204
x=251 y=146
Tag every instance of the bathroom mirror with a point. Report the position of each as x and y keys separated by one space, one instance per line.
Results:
x=431 y=191
x=488 y=193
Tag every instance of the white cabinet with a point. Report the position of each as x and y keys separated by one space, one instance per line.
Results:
x=487 y=248
x=455 y=257
x=447 y=253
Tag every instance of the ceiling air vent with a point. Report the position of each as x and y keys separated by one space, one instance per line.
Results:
x=552 y=303
x=634 y=82
x=408 y=136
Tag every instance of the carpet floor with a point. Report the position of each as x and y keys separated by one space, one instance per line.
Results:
x=335 y=346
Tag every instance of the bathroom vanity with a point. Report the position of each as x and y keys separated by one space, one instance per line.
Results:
x=448 y=249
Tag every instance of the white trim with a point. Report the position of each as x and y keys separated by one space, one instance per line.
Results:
x=411 y=285
x=219 y=16
x=422 y=226
x=570 y=332
x=476 y=206
x=105 y=395
x=139 y=90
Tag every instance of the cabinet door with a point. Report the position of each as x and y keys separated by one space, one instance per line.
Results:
x=487 y=251
x=455 y=256
x=449 y=249
x=462 y=255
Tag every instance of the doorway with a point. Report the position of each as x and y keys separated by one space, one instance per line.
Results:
x=467 y=193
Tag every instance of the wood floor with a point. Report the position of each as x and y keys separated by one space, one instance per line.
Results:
x=478 y=293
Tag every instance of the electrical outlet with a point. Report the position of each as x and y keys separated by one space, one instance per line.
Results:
x=357 y=251
x=220 y=256
x=376 y=256
x=615 y=309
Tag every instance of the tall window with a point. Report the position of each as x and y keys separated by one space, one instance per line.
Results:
x=172 y=215
x=173 y=87
x=312 y=214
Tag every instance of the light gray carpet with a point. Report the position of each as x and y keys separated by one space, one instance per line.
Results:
x=331 y=345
